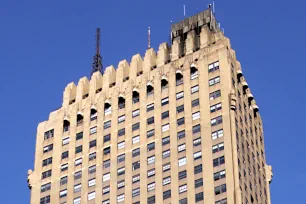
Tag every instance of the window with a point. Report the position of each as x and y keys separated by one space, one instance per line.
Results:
x=65 y=155
x=45 y=187
x=91 y=195
x=197 y=142
x=151 y=186
x=92 y=131
x=121 y=132
x=150 y=107
x=136 y=152
x=166 y=140
x=106 y=150
x=121 y=145
x=79 y=119
x=77 y=188
x=164 y=84
x=165 y=127
x=135 y=139
x=46 y=162
x=65 y=141
x=195 y=102
x=215 y=107
x=180 y=109
x=92 y=182
x=93 y=114
x=151 y=200
x=151 y=160
x=219 y=175
x=182 y=174
x=214 y=95
x=214 y=81
x=198 y=169
x=150 y=120
x=218 y=147
x=106 y=201
x=180 y=121
x=165 y=115
x=79 y=136
x=106 y=164
x=151 y=146
x=181 y=134
x=166 y=154
x=183 y=201
x=107 y=109
x=165 y=101
x=220 y=189
x=78 y=162
x=217 y=134
x=135 y=126
x=78 y=149
x=181 y=148
x=182 y=161
x=92 y=169
x=223 y=201
x=136 y=178
x=120 y=158
x=135 y=97
x=179 y=79
x=78 y=175
x=197 y=155
x=105 y=190
x=92 y=143
x=216 y=121
x=107 y=124
x=63 y=193
x=64 y=167
x=63 y=180
x=199 y=197
x=198 y=182
x=106 y=138
x=218 y=161
x=166 y=180
x=48 y=148
x=135 y=192
x=151 y=172
x=166 y=194
x=166 y=167
x=179 y=95
x=196 y=129
x=136 y=165
x=121 y=102
x=120 y=198
x=121 y=171
x=213 y=66
x=193 y=73
x=45 y=200
x=150 y=133
x=135 y=113
x=92 y=156
x=150 y=90
x=49 y=134
x=121 y=119
x=120 y=184
x=183 y=188
x=194 y=89
x=196 y=115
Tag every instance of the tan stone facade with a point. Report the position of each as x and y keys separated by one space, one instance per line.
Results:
x=180 y=125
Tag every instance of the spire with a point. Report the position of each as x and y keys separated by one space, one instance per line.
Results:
x=149 y=37
x=97 y=59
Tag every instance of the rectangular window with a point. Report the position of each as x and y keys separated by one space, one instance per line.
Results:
x=166 y=167
x=151 y=173
x=223 y=201
x=219 y=175
x=165 y=115
x=106 y=164
x=166 y=153
x=136 y=165
x=92 y=182
x=195 y=102
x=197 y=142
x=135 y=126
x=218 y=147
x=196 y=129
x=151 y=146
x=92 y=143
x=214 y=81
x=45 y=200
x=78 y=175
x=106 y=150
x=77 y=188
x=179 y=95
x=136 y=152
x=165 y=101
x=150 y=133
x=78 y=162
x=182 y=161
x=92 y=156
x=166 y=194
x=106 y=201
x=49 y=134
x=196 y=115
x=151 y=200
x=180 y=121
x=151 y=160
x=92 y=169
x=135 y=113
x=48 y=148
x=197 y=155
x=183 y=188
x=151 y=186
x=79 y=136
x=64 y=180
x=166 y=140
x=165 y=127
x=120 y=198
x=120 y=158
x=181 y=134
x=105 y=190
x=216 y=121
x=198 y=183
x=183 y=201
x=136 y=178
x=199 y=197
x=121 y=132
x=78 y=149
x=106 y=138
x=150 y=107
x=121 y=119
x=46 y=162
x=150 y=120
x=198 y=169
x=92 y=131
x=182 y=174
x=220 y=189
x=180 y=109
x=45 y=187
x=217 y=134
x=120 y=184
x=214 y=95
x=213 y=66
x=194 y=89
x=65 y=155
x=218 y=161
x=64 y=167
x=107 y=124
x=181 y=148
x=166 y=180
x=63 y=193
x=135 y=192
x=121 y=171
x=135 y=139
x=215 y=107
x=65 y=141
x=121 y=145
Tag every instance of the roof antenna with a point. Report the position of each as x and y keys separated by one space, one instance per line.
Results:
x=97 y=59
x=213 y=7
x=184 y=10
x=149 y=37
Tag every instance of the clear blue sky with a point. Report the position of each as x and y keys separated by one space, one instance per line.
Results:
x=45 y=44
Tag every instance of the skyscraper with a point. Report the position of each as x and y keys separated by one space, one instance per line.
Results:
x=177 y=126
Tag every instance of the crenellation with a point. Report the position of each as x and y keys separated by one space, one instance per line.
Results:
x=82 y=89
x=163 y=55
x=96 y=83
x=190 y=42
x=122 y=72
x=136 y=66
x=69 y=95
x=109 y=77
x=205 y=37
x=176 y=51
x=149 y=60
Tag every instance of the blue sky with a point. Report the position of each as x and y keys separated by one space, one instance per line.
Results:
x=45 y=44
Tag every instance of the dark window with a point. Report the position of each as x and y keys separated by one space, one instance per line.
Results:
x=196 y=128
x=121 y=103
x=46 y=174
x=198 y=182
x=135 y=97
x=121 y=158
x=79 y=149
x=181 y=134
x=180 y=108
x=199 y=197
x=166 y=140
x=136 y=152
x=195 y=102
x=218 y=161
x=198 y=169
x=65 y=155
x=92 y=143
x=79 y=119
x=218 y=147
x=92 y=156
x=182 y=174
x=180 y=121
x=136 y=165
x=106 y=164
x=179 y=79
x=79 y=135
x=151 y=146
x=93 y=114
x=150 y=133
x=107 y=124
x=64 y=180
x=45 y=187
x=77 y=175
x=214 y=95
x=47 y=161
x=165 y=114
x=121 y=132
x=135 y=126
x=165 y=101
x=164 y=84
x=150 y=120
x=166 y=194
x=219 y=175
x=48 y=148
x=223 y=201
x=150 y=90
x=216 y=121
x=220 y=189
x=49 y=134
x=92 y=169
x=150 y=107
x=183 y=201
x=106 y=138
x=106 y=150
x=45 y=200
x=151 y=200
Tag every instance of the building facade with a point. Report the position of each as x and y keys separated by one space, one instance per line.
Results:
x=177 y=126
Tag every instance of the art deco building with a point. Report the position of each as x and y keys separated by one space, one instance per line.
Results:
x=178 y=126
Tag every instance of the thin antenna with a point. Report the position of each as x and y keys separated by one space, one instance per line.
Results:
x=213 y=7
x=97 y=59
x=149 y=37
x=184 y=10
x=223 y=30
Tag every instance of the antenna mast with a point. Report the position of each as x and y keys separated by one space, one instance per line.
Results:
x=97 y=59
x=149 y=37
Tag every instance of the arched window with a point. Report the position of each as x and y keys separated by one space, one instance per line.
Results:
x=121 y=102
x=107 y=108
x=66 y=125
x=79 y=119
x=93 y=114
x=193 y=72
x=135 y=97
x=150 y=90
x=164 y=84
x=179 y=79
